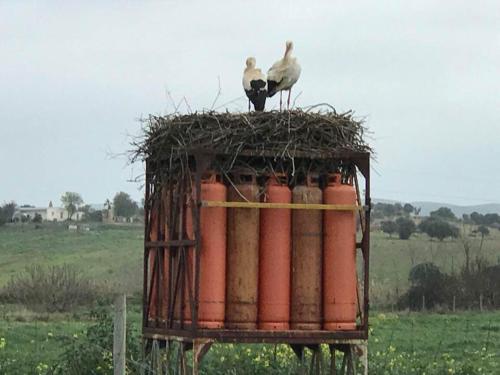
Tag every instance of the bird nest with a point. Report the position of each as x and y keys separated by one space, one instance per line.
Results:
x=293 y=142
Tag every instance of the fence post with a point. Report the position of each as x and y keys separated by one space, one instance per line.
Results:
x=454 y=303
x=481 y=302
x=119 y=335
x=423 y=302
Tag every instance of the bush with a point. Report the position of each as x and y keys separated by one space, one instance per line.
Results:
x=93 y=216
x=92 y=352
x=406 y=227
x=483 y=230
x=56 y=288
x=443 y=213
x=426 y=280
x=37 y=218
x=389 y=227
x=7 y=211
x=438 y=228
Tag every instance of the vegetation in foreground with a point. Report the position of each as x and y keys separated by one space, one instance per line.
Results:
x=463 y=343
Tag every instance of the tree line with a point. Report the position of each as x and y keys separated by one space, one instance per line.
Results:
x=122 y=204
x=440 y=224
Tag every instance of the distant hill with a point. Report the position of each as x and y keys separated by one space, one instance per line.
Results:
x=427 y=207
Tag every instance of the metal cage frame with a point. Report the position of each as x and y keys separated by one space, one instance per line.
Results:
x=177 y=245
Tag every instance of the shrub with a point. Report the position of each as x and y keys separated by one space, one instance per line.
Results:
x=483 y=230
x=443 y=213
x=427 y=280
x=51 y=289
x=389 y=227
x=438 y=228
x=92 y=352
x=95 y=216
x=406 y=227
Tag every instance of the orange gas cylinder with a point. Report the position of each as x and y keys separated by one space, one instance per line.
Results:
x=274 y=258
x=213 y=255
x=339 y=266
x=242 y=255
x=165 y=199
x=306 y=257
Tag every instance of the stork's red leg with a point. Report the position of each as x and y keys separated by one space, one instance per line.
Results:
x=288 y=103
x=248 y=105
x=281 y=98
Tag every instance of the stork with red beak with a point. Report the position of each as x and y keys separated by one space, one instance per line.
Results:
x=283 y=74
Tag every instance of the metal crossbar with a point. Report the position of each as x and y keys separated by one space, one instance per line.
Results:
x=293 y=206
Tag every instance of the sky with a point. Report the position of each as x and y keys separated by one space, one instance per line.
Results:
x=75 y=78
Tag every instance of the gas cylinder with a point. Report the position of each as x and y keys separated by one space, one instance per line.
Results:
x=274 y=257
x=213 y=255
x=165 y=201
x=306 y=257
x=242 y=255
x=339 y=264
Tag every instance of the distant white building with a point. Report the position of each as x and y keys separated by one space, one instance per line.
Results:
x=30 y=213
x=49 y=213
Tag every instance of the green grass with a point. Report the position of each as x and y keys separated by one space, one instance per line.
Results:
x=29 y=345
x=110 y=254
x=436 y=343
x=465 y=343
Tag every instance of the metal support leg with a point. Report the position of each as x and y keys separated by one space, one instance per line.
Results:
x=351 y=370
x=315 y=368
x=333 y=365
x=200 y=348
x=344 y=363
x=299 y=352
x=182 y=359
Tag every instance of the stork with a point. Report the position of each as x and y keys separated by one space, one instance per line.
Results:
x=255 y=85
x=283 y=74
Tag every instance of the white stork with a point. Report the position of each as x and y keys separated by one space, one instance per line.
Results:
x=255 y=85
x=283 y=74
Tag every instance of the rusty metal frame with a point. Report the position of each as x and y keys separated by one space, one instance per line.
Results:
x=177 y=245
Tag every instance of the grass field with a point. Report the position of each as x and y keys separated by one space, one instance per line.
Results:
x=462 y=343
x=110 y=254
x=465 y=343
x=391 y=259
x=113 y=254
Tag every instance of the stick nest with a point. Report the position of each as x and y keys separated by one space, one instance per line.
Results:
x=273 y=138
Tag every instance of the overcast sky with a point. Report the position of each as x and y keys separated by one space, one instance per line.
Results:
x=74 y=79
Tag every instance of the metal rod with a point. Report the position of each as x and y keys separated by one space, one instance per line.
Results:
x=174 y=280
x=169 y=243
x=201 y=164
x=182 y=254
x=158 y=257
x=147 y=211
x=295 y=206
x=366 y=248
